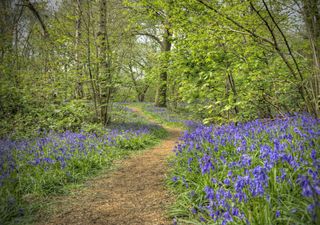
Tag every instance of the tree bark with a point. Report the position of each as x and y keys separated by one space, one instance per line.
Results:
x=311 y=13
x=142 y=94
x=92 y=81
x=79 y=85
x=104 y=71
x=161 y=97
x=234 y=90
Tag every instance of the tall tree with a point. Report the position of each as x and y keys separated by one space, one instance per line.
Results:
x=311 y=15
x=154 y=22
x=78 y=58
x=104 y=64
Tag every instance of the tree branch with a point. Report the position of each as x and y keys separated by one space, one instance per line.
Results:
x=252 y=33
x=285 y=40
x=301 y=87
x=37 y=15
x=276 y=46
x=151 y=36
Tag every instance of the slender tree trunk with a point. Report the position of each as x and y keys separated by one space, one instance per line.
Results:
x=174 y=95
x=79 y=85
x=142 y=94
x=92 y=81
x=311 y=15
x=8 y=36
x=104 y=67
x=95 y=69
x=234 y=90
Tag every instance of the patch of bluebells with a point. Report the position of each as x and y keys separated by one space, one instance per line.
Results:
x=27 y=165
x=171 y=117
x=259 y=172
x=163 y=113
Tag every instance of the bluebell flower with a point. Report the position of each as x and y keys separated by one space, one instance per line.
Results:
x=174 y=221
x=174 y=179
x=213 y=180
x=227 y=181
x=235 y=212
x=313 y=155
x=209 y=193
x=206 y=164
x=305 y=185
x=227 y=216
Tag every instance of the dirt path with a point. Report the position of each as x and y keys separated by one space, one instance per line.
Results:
x=133 y=194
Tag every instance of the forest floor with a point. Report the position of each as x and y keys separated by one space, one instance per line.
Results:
x=134 y=193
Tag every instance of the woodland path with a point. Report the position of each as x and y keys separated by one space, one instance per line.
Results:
x=132 y=194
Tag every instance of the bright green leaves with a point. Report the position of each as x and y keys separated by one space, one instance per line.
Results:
x=225 y=62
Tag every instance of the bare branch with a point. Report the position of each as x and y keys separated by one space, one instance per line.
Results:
x=285 y=40
x=276 y=46
x=37 y=15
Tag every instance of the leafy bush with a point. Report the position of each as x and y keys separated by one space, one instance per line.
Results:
x=68 y=116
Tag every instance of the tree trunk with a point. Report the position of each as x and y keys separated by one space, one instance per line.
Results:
x=141 y=97
x=92 y=81
x=142 y=94
x=79 y=85
x=234 y=91
x=104 y=71
x=161 y=97
x=311 y=13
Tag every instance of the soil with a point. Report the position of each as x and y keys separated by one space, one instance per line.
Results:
x=132 y=194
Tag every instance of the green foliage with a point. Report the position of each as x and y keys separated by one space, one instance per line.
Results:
x=225 y=73
x=67 y=116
